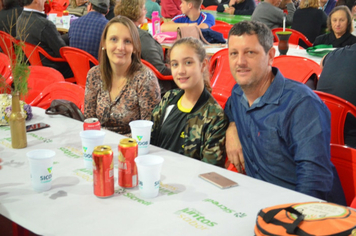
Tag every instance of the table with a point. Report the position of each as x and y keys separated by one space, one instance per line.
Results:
x=231 y=19
x=186 y=205
x=299 y=51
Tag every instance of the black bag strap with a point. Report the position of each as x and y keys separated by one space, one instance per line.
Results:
x=66 y=108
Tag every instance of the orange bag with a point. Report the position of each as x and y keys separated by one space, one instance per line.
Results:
x=306 y=219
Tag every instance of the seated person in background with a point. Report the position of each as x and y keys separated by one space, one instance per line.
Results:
x=151 y=50
x=151 y=6
x=188 y=120
x=33 y=27
x=170 y=8
x=309 y=19
x=237 y=7
x=340 y=28
x=338 y=78
x=8 y=16
x=207 y=3
x=191 y=15
x=327 y=5
x=283 y=126
x=85 y=32
x=78 y=7
x=270 y=14
x=120 y=89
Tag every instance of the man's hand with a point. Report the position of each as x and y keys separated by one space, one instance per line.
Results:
x=234 y=148
x=230 y=10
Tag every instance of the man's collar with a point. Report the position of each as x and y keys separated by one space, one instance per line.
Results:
x=30 y=9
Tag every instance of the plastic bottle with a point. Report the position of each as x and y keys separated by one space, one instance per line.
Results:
x=144 y=26
x=66 y=19
x=156 y=23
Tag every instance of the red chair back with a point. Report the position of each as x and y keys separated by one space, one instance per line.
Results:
x=294 y=38
x=80 y=62
x=7 y=45
x=344 y=159
x=220 y=22
x=211 y=8
x=297 y=68
x=156 y=72
x=33 y=52
x=5 y=74
x=353 y=203
x=224 y=29
x=221 y=80
x=60 y=90
x=339 y=108
x=41 y=77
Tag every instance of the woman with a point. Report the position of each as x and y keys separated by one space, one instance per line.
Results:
x=152 y=51
x=120 y=89
x=340 y=27
x=188 y=120
x=309 y=19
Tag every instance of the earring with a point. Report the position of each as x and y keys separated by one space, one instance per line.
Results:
x=103 y=48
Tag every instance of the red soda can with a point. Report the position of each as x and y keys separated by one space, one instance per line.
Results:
x=103 y=171
x=91 y=124
x=128 y=150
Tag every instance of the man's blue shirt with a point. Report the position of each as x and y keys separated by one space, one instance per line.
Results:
x=204 y=17
x=285 y=137
x=85 y=32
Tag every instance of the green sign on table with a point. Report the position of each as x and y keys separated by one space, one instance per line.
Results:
x=231 y=19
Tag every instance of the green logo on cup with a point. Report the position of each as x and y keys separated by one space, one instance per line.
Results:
x=49 y=170
x=85 y=149
x=139 y=138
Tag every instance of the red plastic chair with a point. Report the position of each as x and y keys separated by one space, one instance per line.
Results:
x=339 y=108
x=224 y=29
x=60 y=90
x=344 y=159
x=33 y=52
x=294 y=38
x=5 y=73
x=211 y=8
x=7 y=45
x=220 y=22
x=297 y=68
x=80 y=62
x=221 y=80
x=41 y=77
x=353 y=203
x=156 y=72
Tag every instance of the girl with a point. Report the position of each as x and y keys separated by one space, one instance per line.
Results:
x=188 y=120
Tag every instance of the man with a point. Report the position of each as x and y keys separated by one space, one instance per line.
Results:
x=237 y=7
x=33 y=27
x=338 y=64
x=283 y=126
x=85 y=32
x=191 y=16
x=269 y=13
x=151 y=6
x=8 y=16
x=170 y=8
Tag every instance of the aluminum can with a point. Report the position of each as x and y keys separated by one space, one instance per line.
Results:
x=128 y=150
x=91 y=124
x=103 y=171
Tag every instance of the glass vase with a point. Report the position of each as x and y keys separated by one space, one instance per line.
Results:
x=17 y=124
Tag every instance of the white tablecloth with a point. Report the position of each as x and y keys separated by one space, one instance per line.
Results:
x=186 y=205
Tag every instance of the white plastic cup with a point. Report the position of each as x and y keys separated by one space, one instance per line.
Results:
x=91 y=139
x=141 y=132
x=149 y=174
x=66 y=21
x=41 y=163
x=52 y=17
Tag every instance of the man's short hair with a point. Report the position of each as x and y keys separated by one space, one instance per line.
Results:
x=264 y=34
x=196 y=3
x=26 y=2
x=100 y=6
